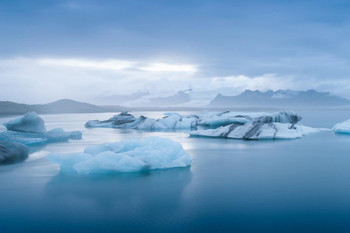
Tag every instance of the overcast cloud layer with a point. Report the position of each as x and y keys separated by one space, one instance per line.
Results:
x=85 y=49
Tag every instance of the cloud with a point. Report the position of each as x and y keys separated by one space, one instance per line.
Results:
x=41 y=80
x=163 y=67
x=263 y=82
x=114 y=64
x=109 y=64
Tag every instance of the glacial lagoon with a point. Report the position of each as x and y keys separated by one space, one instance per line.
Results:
x=298 y=185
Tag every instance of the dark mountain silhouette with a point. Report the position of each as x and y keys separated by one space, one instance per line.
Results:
x=67 y=106
x=60 y=106
x=248 y=99
x=280 y=98
x=11 y=108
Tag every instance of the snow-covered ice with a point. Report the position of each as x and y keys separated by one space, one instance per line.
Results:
x=12 y=152
x=280 y=117
x=125 y=156
x=30 y=130
x=342 y=127
x=192 y=122
x=282 y=125
x=257 y=130
x=126 y=120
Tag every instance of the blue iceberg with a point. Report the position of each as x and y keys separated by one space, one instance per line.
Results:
x=30 y=122
x=30 y=130
x=342 y=127
x=125 y=156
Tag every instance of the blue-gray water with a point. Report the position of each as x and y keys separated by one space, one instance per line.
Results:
x=298 y=185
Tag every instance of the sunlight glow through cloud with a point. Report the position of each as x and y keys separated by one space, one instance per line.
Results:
x=115 y=64
x=109 y=64
x=163 y=67
x=71 y=77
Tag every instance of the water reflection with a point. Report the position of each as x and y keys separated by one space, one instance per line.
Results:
x=134 y=202
x=125 y=189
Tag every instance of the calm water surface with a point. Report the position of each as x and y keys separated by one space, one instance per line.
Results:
x=298 y=185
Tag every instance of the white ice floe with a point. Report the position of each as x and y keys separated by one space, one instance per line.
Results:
x=342 y=127
x=257 y=130
x=202 y=120
x=30 y=130
x=128 y=121
x=125 y=156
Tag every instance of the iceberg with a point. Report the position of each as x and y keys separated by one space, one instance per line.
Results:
x=280 y=117
x=30 y=139
x=257 y=130
x=342 y=127
x=125 y=156
x=191 y=122
x=30 y=130
x=30 y=122
x=280 y=125
x=12 y=152
x=125 y=120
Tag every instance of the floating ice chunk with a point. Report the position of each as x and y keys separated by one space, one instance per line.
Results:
x=30 y=130
x=168 y=122
x=266 y=126
x=96 y=149
x=216 y=121
x=67 y=161
x=257 y=130
x=12 y=152
x=59 y=134
x=109 y=161
x=342 y=127
x=125 y=156
x=203 y=120
x=30 y=122
x=29 y=139
x=281 y=117
x=122 y=120
x=126 y=120
x=98 y=124
x=117 y=147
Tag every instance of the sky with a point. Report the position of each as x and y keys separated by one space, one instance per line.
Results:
x=85 y=49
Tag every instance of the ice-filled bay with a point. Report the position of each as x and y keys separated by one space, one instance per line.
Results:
x=247 y=185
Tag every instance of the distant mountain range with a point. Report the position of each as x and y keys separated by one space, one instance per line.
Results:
x=60 y=106
x=280 y=98
x=247 y=100
x=72 y=106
